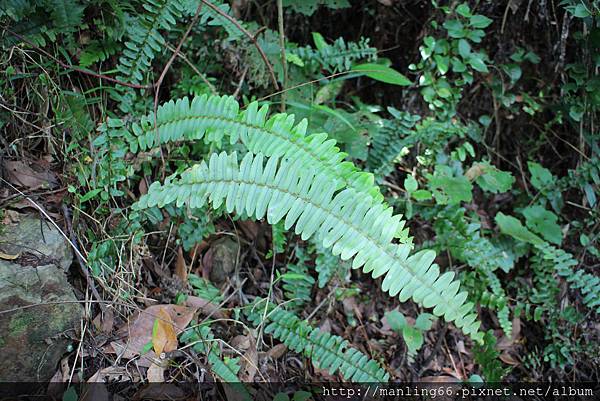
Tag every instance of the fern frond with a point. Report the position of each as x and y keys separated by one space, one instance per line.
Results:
x=297 y=282
x=326 y=351
x=213 y=117
x=328 y=265
x=66 y=14
x=338 y=56
x=205 y=343
x=145 y=39
x=354 y=226
x=587 y=284
x=387 y=143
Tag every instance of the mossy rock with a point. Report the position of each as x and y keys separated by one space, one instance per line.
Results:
x=40 y=314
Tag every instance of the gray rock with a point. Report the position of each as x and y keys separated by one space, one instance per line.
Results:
x=39 y=314
x=38 y=239
x=224 y=253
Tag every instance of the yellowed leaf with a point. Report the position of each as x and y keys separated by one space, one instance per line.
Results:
x=7 y=256
x=138 y=331
x=164 y=338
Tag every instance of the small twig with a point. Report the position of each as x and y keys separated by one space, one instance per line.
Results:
x=282 y=45
x=77 y=69
x=240 y=83
x=196 y=70
x=249 y=36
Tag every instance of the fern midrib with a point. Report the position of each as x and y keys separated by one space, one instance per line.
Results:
x=341 y=218
x=347 y=361
x=300 y=144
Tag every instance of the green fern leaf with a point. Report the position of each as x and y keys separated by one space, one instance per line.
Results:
x=325 y=350
x=352 y=225
x=212 y=117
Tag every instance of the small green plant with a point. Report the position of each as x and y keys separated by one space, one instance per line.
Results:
x=411 y=333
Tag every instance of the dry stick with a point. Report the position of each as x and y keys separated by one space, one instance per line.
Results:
x=240 y=83
x=72 y=67
x=250 y=36
x=282 y=45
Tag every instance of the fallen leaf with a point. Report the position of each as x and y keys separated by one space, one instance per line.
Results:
x=20 y=174
x=104 y=321
x=155 y=374
x=240 y=342
x=11 y=217
x=7 y=256
x=164 y=338
x=110 y=374
x=138 y=332
x=439 y=379
x=508 y=359
x=277 y=351
x=250 y=361
x=180 y=266
x=205 y=307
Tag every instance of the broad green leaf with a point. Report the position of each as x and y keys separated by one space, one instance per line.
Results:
x=382 y=73
x=513 y=227
x=424 y=321
x=464 y=48
x=479 y=21
x=464 y=10
x=541 y=177
x=410 y=184
x=543 y=222
x=319 y=41
x=396 y=320
x=413 y=338
x=476 y=61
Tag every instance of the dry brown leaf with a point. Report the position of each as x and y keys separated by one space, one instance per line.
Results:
x=155 y=374
x=164 y=338
x=143 y=187
x=180 y=266
x=508 y=359
x=110 y=374
x=250 y=361
x=7 y=256
x=11 y=217
x=138 y=333
x=240 y=342
x=277 y=351
x=104 y=321
x=205 y=307
x=20 y=174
